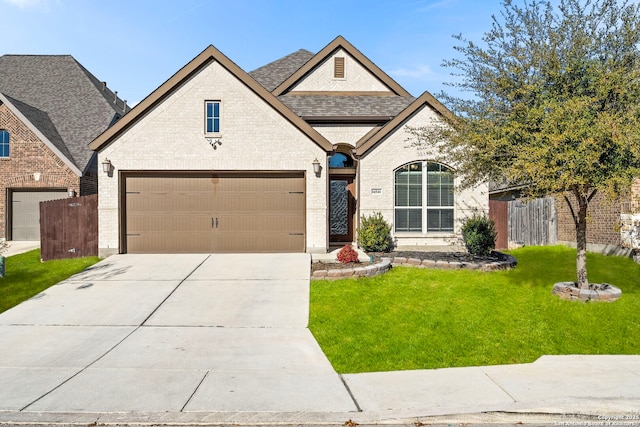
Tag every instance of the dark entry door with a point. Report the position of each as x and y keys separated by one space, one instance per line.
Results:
x=341 y=209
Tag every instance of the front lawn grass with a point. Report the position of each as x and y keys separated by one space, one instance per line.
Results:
x=415 y=318
x=27 y=276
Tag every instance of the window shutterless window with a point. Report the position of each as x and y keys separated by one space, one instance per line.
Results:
x=4 y=143
x=212 y=116
x=424 y=196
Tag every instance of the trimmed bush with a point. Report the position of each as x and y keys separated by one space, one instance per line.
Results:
x=374 y=233
x=347 y=254
x=479 y=235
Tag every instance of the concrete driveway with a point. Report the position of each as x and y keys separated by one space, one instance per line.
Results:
x=175 y=333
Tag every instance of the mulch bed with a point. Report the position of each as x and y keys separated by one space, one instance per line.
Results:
x=436 y=256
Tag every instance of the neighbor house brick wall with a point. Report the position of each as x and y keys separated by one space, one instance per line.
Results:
x=376 y=191
x=603 y=222
x=29 y=155
x=254 y=137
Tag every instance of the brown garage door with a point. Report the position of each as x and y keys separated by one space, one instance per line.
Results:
x=25 y=212
x=215 y=213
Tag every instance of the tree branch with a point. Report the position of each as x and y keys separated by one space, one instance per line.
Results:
x=573 y=213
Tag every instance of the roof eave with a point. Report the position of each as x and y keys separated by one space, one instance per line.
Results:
x=369 y=141
x=68 y=162
x=200 y=61
x=340 y=42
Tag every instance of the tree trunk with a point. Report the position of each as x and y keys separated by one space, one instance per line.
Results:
x=581 y=237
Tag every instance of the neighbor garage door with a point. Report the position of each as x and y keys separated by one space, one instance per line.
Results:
x=25 y=212
x=215 y=213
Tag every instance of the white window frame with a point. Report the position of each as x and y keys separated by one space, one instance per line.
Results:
x=424 y=208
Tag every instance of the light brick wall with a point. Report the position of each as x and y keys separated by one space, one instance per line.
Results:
x=28 y=155
x=377 y=172
x=254 y=138
x=343 y=134
x=357 y=78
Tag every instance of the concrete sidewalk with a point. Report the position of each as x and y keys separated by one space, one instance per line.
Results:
x=223 y=339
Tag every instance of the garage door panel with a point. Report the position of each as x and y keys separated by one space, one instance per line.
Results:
x=169 y=242
x=25 y=212
x=219 y=213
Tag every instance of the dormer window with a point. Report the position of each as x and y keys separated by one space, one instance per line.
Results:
x=4 y=143
x=212 y=116
x=338 y=67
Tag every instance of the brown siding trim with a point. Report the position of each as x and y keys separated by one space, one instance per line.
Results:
x=340 y=43
x=210 y=54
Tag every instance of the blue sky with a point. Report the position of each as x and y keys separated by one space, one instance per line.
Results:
x=135 y=45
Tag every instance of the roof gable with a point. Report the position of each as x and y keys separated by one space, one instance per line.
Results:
x=369 y=141
x=339 y=44
x=76 y=103
x=202 y=60
x=40 y=124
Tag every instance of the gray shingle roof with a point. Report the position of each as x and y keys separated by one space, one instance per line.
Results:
x=318 y=106
x=42 y=122
x=273 y=74
x=65 y=101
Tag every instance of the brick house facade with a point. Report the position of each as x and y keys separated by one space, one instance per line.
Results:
x=47 y=141
x=319 y=139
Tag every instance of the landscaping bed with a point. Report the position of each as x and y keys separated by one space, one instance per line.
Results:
x=423 y=318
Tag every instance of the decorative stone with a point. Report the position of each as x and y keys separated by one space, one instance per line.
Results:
x=597 y=292
x=400 y=260
x=414 y=261
x=320 y=273
x=429 y=263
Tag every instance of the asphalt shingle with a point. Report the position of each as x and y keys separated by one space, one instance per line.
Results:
x=67 y=103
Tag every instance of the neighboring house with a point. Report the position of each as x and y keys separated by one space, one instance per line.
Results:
x=286 y=158
x=51 y=108
x=613 y=225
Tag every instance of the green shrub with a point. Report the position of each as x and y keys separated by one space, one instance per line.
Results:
x=479 y=235
x=374 y=233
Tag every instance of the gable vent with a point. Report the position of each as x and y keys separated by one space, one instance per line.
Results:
x=338 y=68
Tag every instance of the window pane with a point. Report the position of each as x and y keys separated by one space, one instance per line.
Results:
x=402 y=195
x=440 y=220
x=415 y=195
x=4 y=143
x=212 y=119
x=408 y=220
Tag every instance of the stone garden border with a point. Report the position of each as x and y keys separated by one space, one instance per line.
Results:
x=506 y=262
x=368 y=271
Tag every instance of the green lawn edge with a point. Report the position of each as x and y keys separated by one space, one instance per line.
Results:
x=26 y=275
x=415 y=318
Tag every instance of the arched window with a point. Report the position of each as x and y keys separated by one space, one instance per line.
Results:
x=4 y=143
x=424 y=198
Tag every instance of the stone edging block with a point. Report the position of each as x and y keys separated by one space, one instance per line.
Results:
x=367 y=271
x=385 y=265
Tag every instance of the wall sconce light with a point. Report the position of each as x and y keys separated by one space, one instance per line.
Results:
x=36 y=176
x=106 y=166
x=317 y=168
x=71 y=193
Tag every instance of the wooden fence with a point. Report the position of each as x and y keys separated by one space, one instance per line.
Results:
x=69 y=228
x=531 y=223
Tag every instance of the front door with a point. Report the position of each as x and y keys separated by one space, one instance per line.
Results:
x=341 y=209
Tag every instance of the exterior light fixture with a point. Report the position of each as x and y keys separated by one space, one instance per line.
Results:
x=106 y=166
x=317 y=168
x=71 y=193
